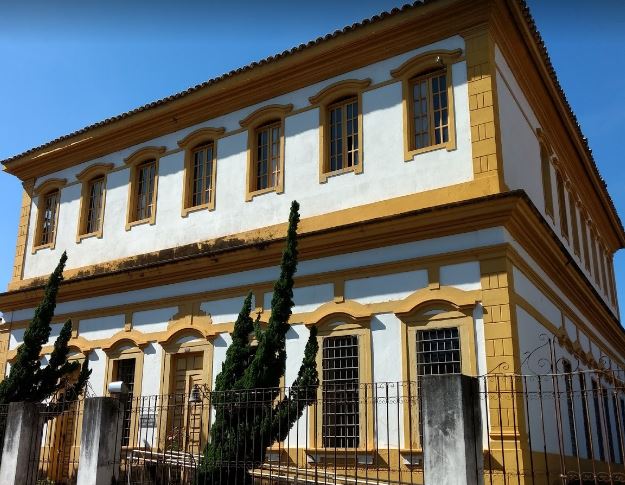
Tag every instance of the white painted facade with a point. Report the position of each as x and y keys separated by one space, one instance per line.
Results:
x=383 y=162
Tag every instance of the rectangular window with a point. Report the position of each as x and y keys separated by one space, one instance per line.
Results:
x=617 y=426
x=429 y=110
x=608 y=421
x=570 y=407
x=585 y=244
x=340 y=393
x=267 y=156
x=595 y=258
x=545 y=167
x=93 y=222
x=202 y=182
x=564 y=223
x=126 y=374
x=438 y=353
x=343 y=135
x=48 y=218
x=585 y=414
x=596 y=397
x=146 y=178
x=574 y=227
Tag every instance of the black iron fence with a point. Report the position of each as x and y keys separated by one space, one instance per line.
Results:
x=54 y=452
x=565 y=428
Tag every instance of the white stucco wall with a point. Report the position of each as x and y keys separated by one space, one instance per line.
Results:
x=384 y=166
x=522 y=163
x=375 y=289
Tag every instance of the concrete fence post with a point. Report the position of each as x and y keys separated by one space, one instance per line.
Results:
x=100 y=441
x=452 y=430
x=22 y=445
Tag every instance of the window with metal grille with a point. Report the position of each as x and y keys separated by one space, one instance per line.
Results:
x=344 y=136
x=146 y=178
x=608 y=422
x=438 y=353
x=202 y=173
x=568 y=386
x=596 y=397
x=585 y=414
x=126 y=374
x=93 y=221
x=340 y=393
x=267 y=156
x=48 y=218
x=429 y=110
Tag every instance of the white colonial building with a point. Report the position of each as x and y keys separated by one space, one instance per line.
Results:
x=449 y=202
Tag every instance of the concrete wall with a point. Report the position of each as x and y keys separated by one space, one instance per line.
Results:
x=383 y=162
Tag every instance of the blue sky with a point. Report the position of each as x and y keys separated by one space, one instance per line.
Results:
x=74 y=63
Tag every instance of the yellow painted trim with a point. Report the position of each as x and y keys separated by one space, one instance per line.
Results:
x=134 y=161
x=323 y=100
x=255 y=120
x=412 y=68
x=188 y=144
x=85 y=177
x=22 y=230
x=41 y=191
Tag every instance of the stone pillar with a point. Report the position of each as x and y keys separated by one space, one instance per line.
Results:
x=452 y=430
x=22 y=445
x=100 y=441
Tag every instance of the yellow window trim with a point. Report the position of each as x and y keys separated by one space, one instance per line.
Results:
x=41 y=191
x=134 y=161
x=85 y=177
x=126 y=350
x=432 y=316
x=324 y=99
x=189 y=143
x=266 y=114
x=407 y=72
x=335 y=326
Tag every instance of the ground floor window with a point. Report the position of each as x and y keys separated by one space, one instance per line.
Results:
x=125 y=372
x=340 y=392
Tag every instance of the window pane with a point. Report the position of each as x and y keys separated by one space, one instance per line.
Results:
x=94 y=208
x=267 y=157
x=126 y=374
x=145 y=190
x=48 y=220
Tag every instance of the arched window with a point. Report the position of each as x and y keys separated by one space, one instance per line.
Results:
x=92 y=200
x=428 y=101
x=48 y=203
x=200 y=169
x=340 y=127
x=143 y=185
x=265 y=153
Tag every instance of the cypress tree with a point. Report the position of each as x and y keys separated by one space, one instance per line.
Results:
x=250 y=411
x=27 y=380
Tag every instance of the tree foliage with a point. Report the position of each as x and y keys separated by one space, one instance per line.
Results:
x=27 y=379
x=251 y=411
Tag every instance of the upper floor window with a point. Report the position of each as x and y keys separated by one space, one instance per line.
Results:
x=200 y=169
x=265 y=160
x=428 y=101
x=47 y=222
x=564 y=223
x=574 y=223
x=92 y=199
x=48 y=202
x=545 y=169
x=143 y=185
x=429 y=115
x=144 y=191
x=340 y=127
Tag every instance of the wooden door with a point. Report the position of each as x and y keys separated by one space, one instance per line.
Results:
x=185 y=430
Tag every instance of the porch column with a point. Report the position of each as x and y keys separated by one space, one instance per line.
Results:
x=452 y=430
